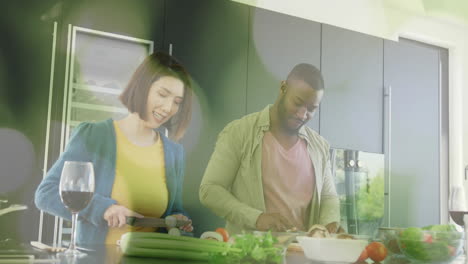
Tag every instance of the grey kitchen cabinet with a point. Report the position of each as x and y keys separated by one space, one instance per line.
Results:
x=210 y=38
x=351 y=114
x=277 y=43
x=412 y=75
x=139 y=19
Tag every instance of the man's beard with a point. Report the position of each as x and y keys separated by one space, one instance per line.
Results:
x=283 y=118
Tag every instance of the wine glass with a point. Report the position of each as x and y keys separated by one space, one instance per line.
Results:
x=457 y=210
x=76 y=191
x=457 y=204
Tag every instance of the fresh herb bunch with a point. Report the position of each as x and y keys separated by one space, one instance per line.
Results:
x=249 y=248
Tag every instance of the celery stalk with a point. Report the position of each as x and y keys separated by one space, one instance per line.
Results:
x=154 y=235
x=165 y=253
x=173 y=244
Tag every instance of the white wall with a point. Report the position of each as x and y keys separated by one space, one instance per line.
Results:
x=391 y=19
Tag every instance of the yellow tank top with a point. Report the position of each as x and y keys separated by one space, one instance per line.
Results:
x=140 y=182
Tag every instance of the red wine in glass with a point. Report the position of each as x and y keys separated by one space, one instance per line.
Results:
x=76 y=201
x=457 y=204
x=76 y=192
x=457 y=217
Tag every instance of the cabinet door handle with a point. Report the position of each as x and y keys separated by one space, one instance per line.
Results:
x=466 y=172
x=387 y=140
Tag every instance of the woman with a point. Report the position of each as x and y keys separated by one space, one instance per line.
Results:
x=138 y=170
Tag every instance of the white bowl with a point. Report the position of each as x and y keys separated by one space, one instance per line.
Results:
x=332 y=249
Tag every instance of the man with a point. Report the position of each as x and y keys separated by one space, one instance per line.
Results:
x=269 y=171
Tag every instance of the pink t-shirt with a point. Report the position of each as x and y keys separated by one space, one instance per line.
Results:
x=288 y=179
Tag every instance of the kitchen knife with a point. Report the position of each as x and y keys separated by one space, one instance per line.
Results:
x=156 y=222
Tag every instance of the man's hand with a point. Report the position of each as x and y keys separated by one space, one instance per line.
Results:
x=272 y=221
x=334 y=228
x=116 y=215
x=188 y=227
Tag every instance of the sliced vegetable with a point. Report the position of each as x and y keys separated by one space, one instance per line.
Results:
x=345 y=236
x=318 y=231
x=224 y=233
x=212 y=235
x=174 y=231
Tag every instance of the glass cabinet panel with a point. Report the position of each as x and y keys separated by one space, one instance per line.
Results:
x=359 y=179
x=101 y=65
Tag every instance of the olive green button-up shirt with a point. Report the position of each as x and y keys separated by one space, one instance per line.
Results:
x=232 y=184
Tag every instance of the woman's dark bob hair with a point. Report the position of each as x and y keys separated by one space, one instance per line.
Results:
x=135 y=95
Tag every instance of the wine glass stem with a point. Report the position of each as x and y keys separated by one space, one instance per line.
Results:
x=73 y=232
x=465 y=228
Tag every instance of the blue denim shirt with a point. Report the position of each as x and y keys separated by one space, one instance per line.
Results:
x=96 y=142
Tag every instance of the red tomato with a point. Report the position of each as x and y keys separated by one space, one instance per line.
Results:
x=363 y=256
x=451 y=250
x=224 y=233
x=428 y=238
x=376 y=251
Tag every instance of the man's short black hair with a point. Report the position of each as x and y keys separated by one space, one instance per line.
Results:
x=307 y=73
